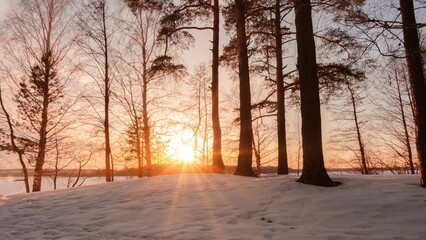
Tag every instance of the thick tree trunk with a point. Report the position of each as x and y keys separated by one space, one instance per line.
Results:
x=417 y=80
x=282 y=142
x=313 y=161
x=244 y=166
x=218 y=165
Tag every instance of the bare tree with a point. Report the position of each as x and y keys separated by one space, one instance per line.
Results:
x=13 y=145
x=148 y=58
x=397 y=116
x=176 y=26
x=96 y=37
x=198 y=84
x=129 y=98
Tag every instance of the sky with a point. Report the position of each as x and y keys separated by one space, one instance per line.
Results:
x=201 y=54
x=4 y=4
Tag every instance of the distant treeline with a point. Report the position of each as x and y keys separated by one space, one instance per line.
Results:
x=158 y=170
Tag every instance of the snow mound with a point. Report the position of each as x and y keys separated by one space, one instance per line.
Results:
x=212 y=206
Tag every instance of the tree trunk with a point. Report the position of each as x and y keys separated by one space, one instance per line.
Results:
x=145 y=121
x=282 y=142
x=38 y=170
x=364 y=166
x=313 y=171
x=56 y=173
x=138 y=147
x=404 y=125
x=244 y=166
x=106 y=130
x=41 y=153
x=205 y=155
x=108 y=166
x=417 y=80
x=15 y=147
x=217 y=164
x=199 y=120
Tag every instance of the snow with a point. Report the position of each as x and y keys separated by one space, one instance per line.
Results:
x=212 y=206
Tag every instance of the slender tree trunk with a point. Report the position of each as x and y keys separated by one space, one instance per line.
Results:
x=217 y=164
x=205 y=155
x=145 y=120
x=106 y=130
x=108 y=167
x=282 y=142
x=199 y=120
x=15 y=147
x=256 y=150
x=313 y=171
x=417 y=80
x=404 y=125
x=244 y=166
x=55 y=176
x=138 y=148
x=364 y=166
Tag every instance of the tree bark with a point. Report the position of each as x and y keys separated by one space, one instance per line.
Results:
x=217 y=164
x=244 y=166
x=313 y=161
x=417 y=80
x=282 y=142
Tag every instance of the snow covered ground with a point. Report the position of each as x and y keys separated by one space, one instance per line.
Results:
x=210 y=206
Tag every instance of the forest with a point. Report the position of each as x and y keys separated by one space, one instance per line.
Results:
x=298 y=86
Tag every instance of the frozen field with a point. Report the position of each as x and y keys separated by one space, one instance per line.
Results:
x=209 y=206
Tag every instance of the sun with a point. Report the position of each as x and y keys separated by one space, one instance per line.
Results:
x=186 y=155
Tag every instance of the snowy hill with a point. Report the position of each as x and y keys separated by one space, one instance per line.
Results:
x=210 y=206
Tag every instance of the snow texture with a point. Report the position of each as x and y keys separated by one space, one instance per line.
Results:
x=211 y=206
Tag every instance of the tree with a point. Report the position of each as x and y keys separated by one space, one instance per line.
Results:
x=197 y=86
x=13 y=145
x=95 y=42
x=397 y=116
x=148 y=57
x=354 y=99
x=38 y=43
x=266 y=35
x=132 y=104
x=183 y=18
x=244 y=166
x=313 y=161
x=282 y=142
x=417 y=79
